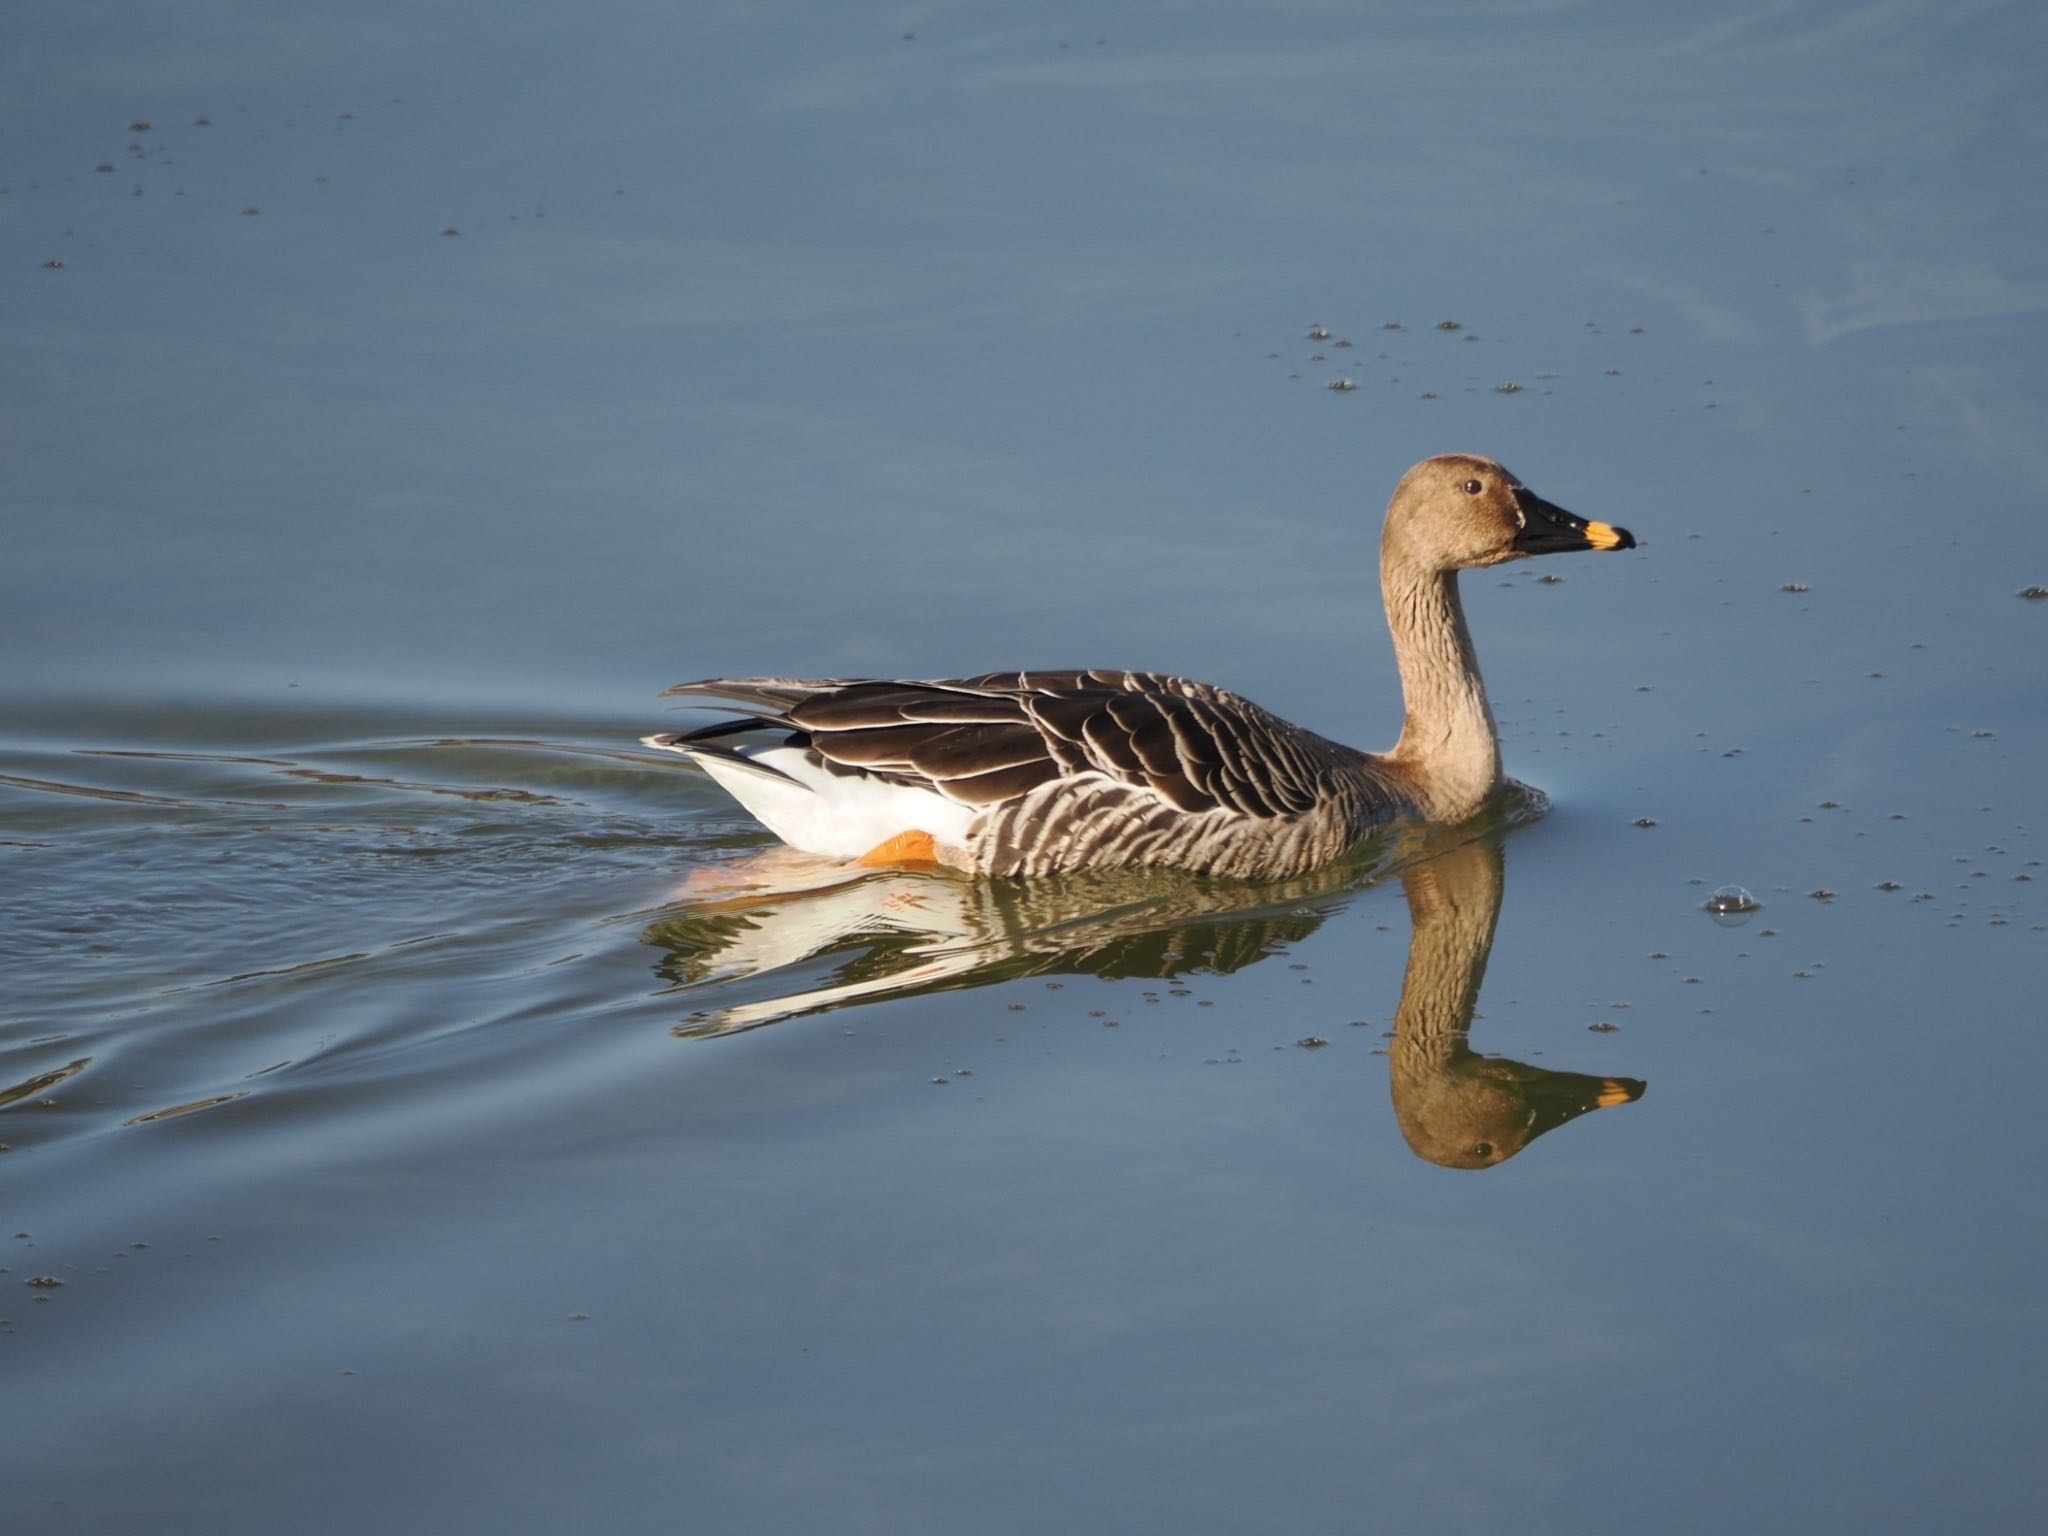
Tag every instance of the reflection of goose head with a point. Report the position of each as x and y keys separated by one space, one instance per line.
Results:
x=1456 y=1107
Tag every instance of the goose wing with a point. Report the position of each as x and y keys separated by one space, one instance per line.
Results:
x=983 y=741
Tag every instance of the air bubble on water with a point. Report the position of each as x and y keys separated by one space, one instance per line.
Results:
x=1732 y=905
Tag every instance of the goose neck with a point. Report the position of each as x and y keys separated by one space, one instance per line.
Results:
x=1449 y=746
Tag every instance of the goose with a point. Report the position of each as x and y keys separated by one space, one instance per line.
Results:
x=1035 y=773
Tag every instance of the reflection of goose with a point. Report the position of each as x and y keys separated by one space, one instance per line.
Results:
x=910 y=931
x=896 y=933
x=1456 y=1107
x=1022 y=773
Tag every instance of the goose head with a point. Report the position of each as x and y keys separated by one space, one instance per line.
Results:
x=1460 y=510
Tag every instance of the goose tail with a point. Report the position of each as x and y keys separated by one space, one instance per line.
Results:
x=703 y=747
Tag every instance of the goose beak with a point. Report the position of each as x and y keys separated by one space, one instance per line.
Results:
x=1547 y=529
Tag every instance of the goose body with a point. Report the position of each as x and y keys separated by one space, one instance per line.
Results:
x=1028 y=773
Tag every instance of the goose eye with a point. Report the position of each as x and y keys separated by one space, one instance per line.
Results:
x=1482 y=1149
x=1472 y=487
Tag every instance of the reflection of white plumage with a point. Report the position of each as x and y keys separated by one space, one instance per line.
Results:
x=774 y=931
x=1026 y=773
x=817 y=920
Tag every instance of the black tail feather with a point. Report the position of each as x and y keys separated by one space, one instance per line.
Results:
x=692 y=746
x=731 y=728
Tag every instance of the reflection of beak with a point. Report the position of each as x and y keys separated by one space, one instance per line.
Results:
x=1556 y=1097
x=1547 y=529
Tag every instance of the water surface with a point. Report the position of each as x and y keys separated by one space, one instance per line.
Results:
x=435 y=1126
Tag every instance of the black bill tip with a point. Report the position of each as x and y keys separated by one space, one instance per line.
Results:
x=1547 y=529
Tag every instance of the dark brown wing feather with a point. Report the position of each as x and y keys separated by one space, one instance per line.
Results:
x=986 y=740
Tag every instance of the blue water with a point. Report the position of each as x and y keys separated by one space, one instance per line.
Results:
x=507 y=1159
